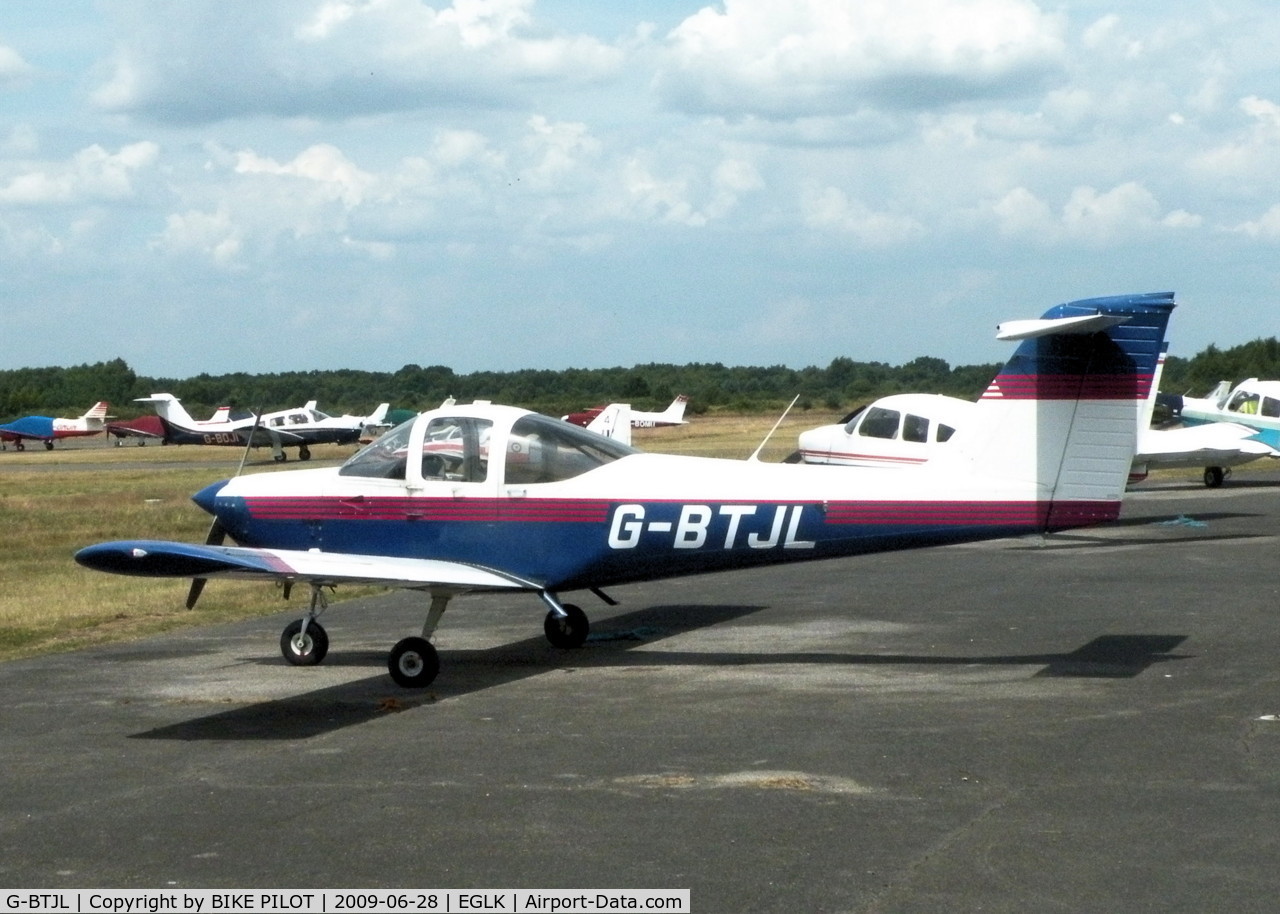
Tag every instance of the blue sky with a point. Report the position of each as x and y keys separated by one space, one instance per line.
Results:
x=502 y=184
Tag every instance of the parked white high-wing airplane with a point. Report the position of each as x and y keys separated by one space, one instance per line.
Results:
x=482 y=497
x=910 y=429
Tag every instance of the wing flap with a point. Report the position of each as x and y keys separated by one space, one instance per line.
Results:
x=163 y=559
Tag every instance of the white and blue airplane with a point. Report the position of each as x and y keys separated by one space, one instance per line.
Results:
x=1252 y=405
x=907 y=430
x=483 y=497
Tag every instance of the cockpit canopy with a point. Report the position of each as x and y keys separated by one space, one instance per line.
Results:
x=459 y=447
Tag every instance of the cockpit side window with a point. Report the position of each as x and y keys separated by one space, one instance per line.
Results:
x=456 y=449
x=1244 y=402
x=385 y=458
x=880 y=423
x=1271 y=407
x=915 y=428
x=541 y=449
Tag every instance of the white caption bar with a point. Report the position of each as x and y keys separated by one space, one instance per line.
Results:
x=343 y=901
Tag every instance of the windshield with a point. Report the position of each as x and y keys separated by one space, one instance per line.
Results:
x=385 y=458
x=541 y=449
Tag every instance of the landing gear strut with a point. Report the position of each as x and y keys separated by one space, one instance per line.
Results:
x=566 y=625
x=304 y=642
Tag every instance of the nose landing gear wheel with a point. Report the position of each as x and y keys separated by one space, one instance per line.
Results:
x=413 y=663
x=568 y=631
x=304 y=649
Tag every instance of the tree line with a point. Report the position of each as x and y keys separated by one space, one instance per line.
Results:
x=711 y=387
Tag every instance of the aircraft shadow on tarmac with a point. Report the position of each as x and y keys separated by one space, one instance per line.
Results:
x=326 y=710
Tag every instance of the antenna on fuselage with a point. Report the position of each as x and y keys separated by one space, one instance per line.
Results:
x=755 y=458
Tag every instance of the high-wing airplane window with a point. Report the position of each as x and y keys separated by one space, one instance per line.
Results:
x=548 y=450
x=385 y=458
x=880 y=423
x=945 y=432
x=915 y=428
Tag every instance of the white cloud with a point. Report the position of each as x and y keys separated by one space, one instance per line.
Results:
x=93 y=174
x=15 y=72
x=1126 y=211
x=331 y=173
x=1266 y=227
x=208 y=234
x=786 y=60
x=192 y=62
x=831 y=209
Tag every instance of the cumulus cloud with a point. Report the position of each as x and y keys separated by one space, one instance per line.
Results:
x=831 y=209
x=1089 y=216
x=805 y=57
x=14 y=70
x=192 y=62
x=92 y=175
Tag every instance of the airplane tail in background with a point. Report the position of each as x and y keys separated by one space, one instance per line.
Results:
x=614 y=421
x=1075 y=387
x=96 y=417
x=674 y=414
x=170 y=409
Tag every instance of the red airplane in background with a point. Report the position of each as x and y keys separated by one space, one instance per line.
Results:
x=672 y=415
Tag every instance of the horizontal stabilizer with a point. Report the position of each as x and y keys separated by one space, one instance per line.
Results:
x=1085 y=323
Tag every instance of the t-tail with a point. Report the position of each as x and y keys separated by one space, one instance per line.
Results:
x=1063 y=414
x=170 y=409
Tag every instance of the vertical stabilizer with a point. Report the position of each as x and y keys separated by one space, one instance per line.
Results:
x=674 y=414
x=1075 y=389
x=170 y=409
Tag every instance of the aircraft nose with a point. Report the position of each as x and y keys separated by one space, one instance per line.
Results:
x=205 y=497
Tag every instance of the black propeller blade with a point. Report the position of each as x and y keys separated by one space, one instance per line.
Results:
x=217 y=534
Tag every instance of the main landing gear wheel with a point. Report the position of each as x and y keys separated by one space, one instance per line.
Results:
x=569 y=630
x=413 y=663
x=304 y=649
x=1213 y=476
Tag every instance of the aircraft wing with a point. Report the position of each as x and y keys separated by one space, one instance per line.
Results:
x=162 y=559
x=1216 y=444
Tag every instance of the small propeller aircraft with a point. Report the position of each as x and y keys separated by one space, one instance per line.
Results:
x=672 y=415
x=48 y=429
x=1252 y=404
x=493 y=498
x=300 y=427
x=909 y=429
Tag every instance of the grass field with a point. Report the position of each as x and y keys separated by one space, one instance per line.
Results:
x=86 y=491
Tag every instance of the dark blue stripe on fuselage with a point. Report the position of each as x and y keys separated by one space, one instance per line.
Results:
x=611 y=542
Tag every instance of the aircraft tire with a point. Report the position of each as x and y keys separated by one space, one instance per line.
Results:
x=307 y=650
x=568 y=632
x=1213 y=477
x=413 y=663
x=304 y=452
